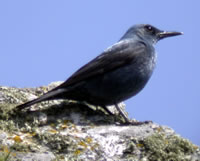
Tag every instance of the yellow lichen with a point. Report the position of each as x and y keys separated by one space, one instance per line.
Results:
x=17 y=139
x=77 y=152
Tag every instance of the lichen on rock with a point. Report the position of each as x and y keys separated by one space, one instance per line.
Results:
x=71 y=130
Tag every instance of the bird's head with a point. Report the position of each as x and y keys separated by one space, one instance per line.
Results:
x=149 y=33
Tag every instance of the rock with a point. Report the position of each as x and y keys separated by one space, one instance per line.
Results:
x=70 y=130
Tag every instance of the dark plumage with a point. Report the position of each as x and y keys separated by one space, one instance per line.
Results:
x=119 y=73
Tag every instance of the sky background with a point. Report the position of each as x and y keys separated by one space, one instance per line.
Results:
x=46 y=41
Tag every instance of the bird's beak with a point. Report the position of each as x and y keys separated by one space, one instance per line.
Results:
x=164 y=34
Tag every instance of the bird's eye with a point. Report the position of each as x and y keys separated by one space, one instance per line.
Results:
x=149 y=29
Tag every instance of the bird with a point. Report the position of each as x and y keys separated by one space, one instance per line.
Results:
x=117 y=74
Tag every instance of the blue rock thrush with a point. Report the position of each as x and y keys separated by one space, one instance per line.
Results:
x=117 y=74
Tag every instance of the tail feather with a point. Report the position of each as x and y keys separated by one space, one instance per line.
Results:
x=48 y=96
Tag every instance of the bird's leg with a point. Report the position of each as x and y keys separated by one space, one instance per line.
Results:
x=127 y=120
x=107 y=110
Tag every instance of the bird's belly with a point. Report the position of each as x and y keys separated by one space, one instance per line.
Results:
x=116 y=86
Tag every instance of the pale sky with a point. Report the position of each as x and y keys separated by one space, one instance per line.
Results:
x=46 y=41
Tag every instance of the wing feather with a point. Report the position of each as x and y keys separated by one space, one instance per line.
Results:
x=118 y=55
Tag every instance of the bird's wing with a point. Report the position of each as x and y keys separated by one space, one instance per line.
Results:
x=118 y=55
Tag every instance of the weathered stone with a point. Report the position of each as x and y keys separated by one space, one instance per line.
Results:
x=70 y=130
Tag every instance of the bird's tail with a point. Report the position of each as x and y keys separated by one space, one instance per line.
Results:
x=53 y=94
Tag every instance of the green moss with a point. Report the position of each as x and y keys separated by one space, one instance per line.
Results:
x=56 y=142
x=160 y=147
x=4 y=156
x=169 y=148
x=6 y=110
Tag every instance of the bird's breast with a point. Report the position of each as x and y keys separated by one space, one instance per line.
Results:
x=146 y=65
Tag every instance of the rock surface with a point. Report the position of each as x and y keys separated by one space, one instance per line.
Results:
x=70 y=130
